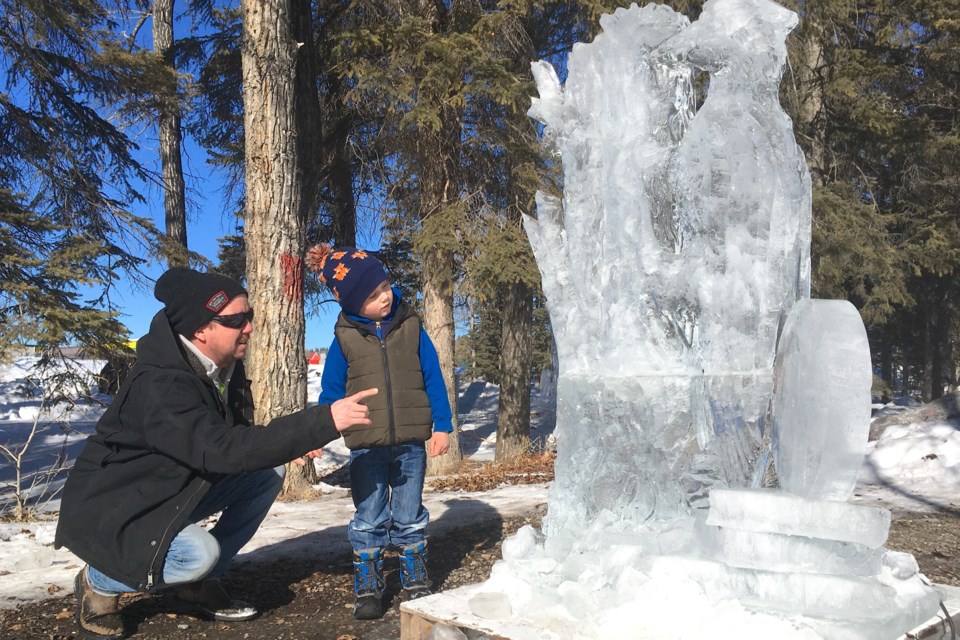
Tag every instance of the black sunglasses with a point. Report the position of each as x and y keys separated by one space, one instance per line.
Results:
x=234 y=320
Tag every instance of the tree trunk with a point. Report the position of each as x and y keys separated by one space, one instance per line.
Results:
x=940 y=340
x=310 y=153
x=170 y=134
x=436 y=151
x=929 y=345
x=472 y=334
x=886 y=360
x=513 y=422
x=438 y=322
x=343 y=223
x=808 y=66
x=275 y=222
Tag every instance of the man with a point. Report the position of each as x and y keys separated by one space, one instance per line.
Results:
x=176 y=446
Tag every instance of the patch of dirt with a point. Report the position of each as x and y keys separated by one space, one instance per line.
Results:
x=933 y=539
x=299 y=599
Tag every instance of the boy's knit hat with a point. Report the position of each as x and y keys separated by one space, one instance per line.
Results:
x=192 y=298
x=351 y=274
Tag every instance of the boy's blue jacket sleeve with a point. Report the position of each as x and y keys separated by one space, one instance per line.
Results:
x=435 y=386
x=333 y=382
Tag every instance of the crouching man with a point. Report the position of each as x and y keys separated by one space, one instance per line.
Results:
x=176 y=446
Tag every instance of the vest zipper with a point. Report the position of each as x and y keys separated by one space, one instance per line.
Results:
x=391 y=428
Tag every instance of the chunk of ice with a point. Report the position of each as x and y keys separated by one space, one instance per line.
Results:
x=779 y=552
x=445 y=632
x=779 y=512
x=901 y=565
x=491 y=605
x=821 y=402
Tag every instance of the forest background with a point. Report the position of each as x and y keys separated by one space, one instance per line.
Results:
x=409 y=116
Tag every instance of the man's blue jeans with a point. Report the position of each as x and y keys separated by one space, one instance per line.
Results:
x=387 y=487
x=196 y=553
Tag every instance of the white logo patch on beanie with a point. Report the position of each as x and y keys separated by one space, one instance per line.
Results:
x=218 y=301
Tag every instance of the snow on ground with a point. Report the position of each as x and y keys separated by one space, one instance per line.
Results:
x=31 y=569
x=911 y=468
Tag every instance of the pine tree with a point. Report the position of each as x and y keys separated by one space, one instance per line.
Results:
x=66 y=172
x=170 y=135
x=874 y=96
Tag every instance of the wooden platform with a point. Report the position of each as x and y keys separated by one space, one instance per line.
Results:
x=941 y=627
x=452 y=608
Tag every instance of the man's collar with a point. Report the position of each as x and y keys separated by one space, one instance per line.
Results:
x=219 y=375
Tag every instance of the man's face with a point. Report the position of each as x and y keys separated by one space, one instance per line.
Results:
x=378 y=304
x=222 y=343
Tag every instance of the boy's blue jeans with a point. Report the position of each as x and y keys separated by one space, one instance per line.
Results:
x=387 y=487
x=196 y=553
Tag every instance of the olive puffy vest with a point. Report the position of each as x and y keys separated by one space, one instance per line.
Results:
x=400 y=412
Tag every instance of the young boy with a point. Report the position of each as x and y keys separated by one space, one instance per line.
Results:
x=379 y=343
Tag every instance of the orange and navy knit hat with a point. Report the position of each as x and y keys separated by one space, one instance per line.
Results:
x=351 y=274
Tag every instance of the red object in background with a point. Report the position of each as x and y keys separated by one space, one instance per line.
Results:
x=313 y=358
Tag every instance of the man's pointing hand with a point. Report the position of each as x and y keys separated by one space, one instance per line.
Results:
x=350 y=411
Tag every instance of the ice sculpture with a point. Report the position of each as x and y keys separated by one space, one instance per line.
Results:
x=675 y=259
x=693 y=233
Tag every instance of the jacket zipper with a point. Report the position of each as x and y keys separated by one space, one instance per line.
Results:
x=391 y=428
x=160 y=544
x=188 y=504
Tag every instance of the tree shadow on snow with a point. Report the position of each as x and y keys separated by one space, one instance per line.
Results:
x=892 y=486
x=473 y=438
x=468 y=399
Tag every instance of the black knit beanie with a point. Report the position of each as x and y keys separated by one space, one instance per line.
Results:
x=191 y=298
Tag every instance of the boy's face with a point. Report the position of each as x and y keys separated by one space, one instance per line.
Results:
x=378 y=304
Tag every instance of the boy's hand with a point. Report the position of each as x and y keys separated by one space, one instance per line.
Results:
x=439 y=444
x=302 y=460
x=349 y=411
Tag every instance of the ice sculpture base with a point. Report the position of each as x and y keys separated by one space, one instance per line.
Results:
x=822 y=559
x=452 y=609
x=752 y=574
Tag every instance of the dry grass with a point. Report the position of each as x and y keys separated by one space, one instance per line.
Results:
x=529 y=468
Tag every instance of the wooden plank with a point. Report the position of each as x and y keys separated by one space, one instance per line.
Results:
x=946 y=624
x=413 y=626
x=452 y=608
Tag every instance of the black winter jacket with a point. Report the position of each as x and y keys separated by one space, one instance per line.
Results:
x=165 y=438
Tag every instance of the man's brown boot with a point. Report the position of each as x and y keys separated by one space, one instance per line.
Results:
x=98 y=616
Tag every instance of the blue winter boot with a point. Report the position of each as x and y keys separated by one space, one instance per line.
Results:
x=413 y=570
x=368 y=583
